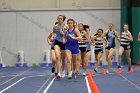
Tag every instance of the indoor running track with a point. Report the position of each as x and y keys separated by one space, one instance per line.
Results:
x=40 y=80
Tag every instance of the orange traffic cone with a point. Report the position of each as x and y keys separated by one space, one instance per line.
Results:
x=90 y=73
x=119 y=70
x=131 y=70
x=104 y=72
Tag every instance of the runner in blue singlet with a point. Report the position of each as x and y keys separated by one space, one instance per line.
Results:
x=110 y=35
x=72 y=47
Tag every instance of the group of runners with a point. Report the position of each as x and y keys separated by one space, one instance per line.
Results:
x=71 y=46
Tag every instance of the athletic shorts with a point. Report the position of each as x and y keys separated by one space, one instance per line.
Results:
x=73 y=49
x=108 y=48
x=88 y=51
x=60 y=44
x=126 y=47
x=98 y=50
x=82 y=49
x=52 y=48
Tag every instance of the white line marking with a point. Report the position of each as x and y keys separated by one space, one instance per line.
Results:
x=129 y=81
x=35 y=76
x=44 y=84
x=15 y=77
x=100 y=74
x=7 y=76
x=11 y=85
x=22 y=79
x=1 y=76
x=45 y=91
x=88 y=87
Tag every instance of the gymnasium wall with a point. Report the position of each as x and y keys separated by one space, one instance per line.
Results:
x=27 y=30
x=45 y=4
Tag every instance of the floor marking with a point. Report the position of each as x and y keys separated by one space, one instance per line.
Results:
x=99 y=74
x=35 y=76
x=44 y=83
x=7 y=76
x=88 y=87
x=47 y=88
x=22 y=79
x=129 y=81
x=15 y=77
x=24 y=75
x=2 y=91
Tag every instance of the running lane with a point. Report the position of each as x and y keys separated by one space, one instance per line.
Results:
x=64 y=85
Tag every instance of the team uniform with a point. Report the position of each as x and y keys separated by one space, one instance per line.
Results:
x=110 y=36
x=99 y=45
x=82 y=45
x=71 y=44
x=59 y=38
x=88 y=46
x=125 y=43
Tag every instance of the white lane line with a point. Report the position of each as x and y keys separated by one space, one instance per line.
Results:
x=47 y=88
x=35 y=76
x=1 y=76
x=15 y=77
x=129 y=81
x=44 y=84
x=7 y=76
x=2 y=91
x=26 y=76
x=100 y=74
x=21 y=80
x=50 y=75
x=88 y=87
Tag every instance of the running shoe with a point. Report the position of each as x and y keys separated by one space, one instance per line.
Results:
x=76 y=74
x=84 y=74
x=70 y=75
x=58 y=76
x=95 y=70
x=119 y=69
x=55 y=74
x=107 y=71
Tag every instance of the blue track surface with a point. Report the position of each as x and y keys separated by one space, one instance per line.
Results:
x=69 y=86
x=119 y=83
x=35 y=80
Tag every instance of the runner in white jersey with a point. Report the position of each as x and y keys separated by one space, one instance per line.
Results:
x=82 y=46
x=126 y=39
x=98 y=42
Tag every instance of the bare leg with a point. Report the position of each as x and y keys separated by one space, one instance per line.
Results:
x=121 y=50
x=128 y=58
x=111 y=52
x=53 y=60
x=63 y=60
x=57 y=54
x=69 y=59
x=98 y=57
x=83 y=55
